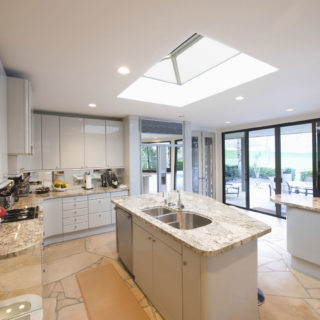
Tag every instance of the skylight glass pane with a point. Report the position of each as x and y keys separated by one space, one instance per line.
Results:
x=202 y=56
x=162 y=71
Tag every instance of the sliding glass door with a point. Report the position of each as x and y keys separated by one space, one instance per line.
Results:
x=235 y=169
x=262 y=171
x=260 y=163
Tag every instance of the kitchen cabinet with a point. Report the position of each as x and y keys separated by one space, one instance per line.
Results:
x=114 y=144
x=50 y=142
x=157 y=268
x=99 y=210
x=95 y=143
x=52 y=217
x=71 y=142
x=3 y=126
x=19 y=116
x=142 y=259
x=167 y=280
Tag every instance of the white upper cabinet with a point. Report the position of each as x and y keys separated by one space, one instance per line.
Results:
x=71 y=142
x=50 y=142
x=36 y=157
x=114 y=143
x=19 y=116
x=95 y=143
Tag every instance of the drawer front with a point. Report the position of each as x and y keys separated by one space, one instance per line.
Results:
x=75 y=227
x=99 y=219
x=99 y=205
x=75 y=212
x=75 y=205
x=74 y=199
x=119 y=194
x=99 y=196
x=75 y=220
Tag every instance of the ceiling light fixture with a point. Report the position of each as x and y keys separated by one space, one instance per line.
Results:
x=289 y=109
x=198 y=68
x=92 y=105
x=228 y=122
x=239 y=98
x=124 y=70
x=21 y=306
x=8 y=310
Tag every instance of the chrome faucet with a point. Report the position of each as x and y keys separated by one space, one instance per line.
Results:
x=180 y=204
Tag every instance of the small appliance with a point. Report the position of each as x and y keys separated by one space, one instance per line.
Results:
x=21 y=214
x=104 y=180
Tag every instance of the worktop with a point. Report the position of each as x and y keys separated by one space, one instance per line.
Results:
x=18 y=237
x=230 y=228
x=298 y=201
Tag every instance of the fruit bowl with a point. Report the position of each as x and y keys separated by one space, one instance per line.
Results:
x=60 y=189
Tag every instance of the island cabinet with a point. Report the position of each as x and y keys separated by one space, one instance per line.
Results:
x=157 y=267
x=53 y=218
x=185 y=285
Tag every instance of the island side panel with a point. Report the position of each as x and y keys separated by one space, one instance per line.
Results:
x=229 y=284
x=302 y=238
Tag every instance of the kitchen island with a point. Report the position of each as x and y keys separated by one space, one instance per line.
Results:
x=303 y=236
x=203 y=273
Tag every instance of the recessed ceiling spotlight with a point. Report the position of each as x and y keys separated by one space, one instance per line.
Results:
x=8 y=310
x=228 y=122
x=92 y=105
x=21 y=306
x=289 y=109
x=124 y=70
x=239 y=98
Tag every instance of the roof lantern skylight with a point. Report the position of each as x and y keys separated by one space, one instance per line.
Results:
x=200 y=67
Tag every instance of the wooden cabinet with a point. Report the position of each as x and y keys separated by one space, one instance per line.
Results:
x=71 y=142
x=95 y=143
x=52 y=217
x=19 y=116
x=114 y=144
x=142 y=259
x=50 y=142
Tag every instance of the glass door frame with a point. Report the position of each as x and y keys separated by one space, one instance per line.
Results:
x=278 y=179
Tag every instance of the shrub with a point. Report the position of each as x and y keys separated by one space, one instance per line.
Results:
x=305 y=174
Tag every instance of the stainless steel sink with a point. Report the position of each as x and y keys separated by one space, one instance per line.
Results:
x=184 y=220
x=158 y=211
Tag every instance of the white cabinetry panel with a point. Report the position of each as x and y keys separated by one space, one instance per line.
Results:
x=95 y=143
x=52 y=217
x=71 y=142
x=114 y=144
x=19 y=116
x=99 y=219
x=3 y=126
x=50 y=142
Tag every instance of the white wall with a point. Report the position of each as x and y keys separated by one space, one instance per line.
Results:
x=3 y=126
x=219 y=167
x=132 y=154
x=187 y=156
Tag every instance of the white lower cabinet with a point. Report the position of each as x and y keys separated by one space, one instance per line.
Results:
x=99 y=219
x=52 y=217
x=157 y=268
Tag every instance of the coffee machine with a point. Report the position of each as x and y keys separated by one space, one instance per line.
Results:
x=104 y=180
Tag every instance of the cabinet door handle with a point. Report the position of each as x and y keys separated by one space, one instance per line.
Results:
x=149 y=238
x=185 y=263
x=153 y=240
x=75 y=227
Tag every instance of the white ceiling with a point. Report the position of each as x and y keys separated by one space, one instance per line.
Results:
x=70 y=50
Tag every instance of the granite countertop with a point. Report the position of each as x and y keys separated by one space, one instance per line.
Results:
x=18 y=237
x=298 y=201
x=230 y=228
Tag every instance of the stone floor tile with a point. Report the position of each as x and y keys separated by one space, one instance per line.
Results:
x=307 y=281
x=71 y=288
x=281 y=284
x=67 y=266
x=66 y=302
x=148 y=310
x=284 y=308
x=73 y=312
x=278 y=265
x=62 y=250
x=49 y=308
x=103 y=244
x=314 y=293
x=47 y=289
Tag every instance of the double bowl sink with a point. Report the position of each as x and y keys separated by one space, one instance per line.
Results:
x=179 y=220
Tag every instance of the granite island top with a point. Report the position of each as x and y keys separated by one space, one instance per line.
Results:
x=18 y=237
x=298 y=201
x=230 y=227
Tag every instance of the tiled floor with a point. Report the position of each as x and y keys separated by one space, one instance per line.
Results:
x=290 y=295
